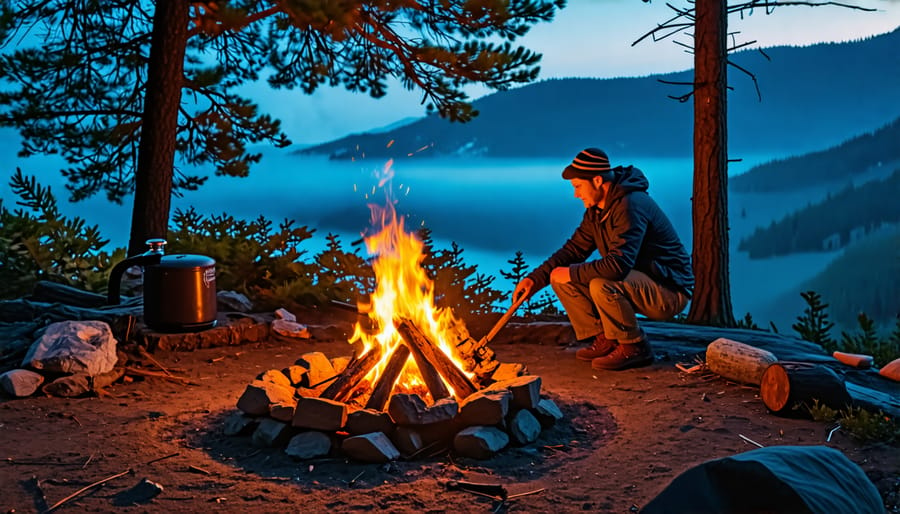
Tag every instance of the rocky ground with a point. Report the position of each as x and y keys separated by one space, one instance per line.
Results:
x=626 y=435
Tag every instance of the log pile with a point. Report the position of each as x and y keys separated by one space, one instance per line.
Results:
x=370 y=423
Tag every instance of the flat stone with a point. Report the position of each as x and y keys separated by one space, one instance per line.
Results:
x=285 y=314
x=248 y=328
x=526 y=390
x=319 y=366
x=295 y=374
x=238 y=423
x=320 y=414
x=271 y=433
x=507 y=371
x=374 y=447
x=290 y=329
x=21 y=382
x=547 y=412
x=259 y=395
x=524 y=428
x=69 y=386
x=365 y=421
x=283 y=411
x=410 y=409
x=480 y=442
x=309 y=445
x=485 y=408
x=408 y=440
x=276 y=376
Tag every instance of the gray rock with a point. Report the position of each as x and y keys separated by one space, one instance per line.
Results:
x=480 y=442
x=309 y=445
x=290 y=329
x=69 y=386
x=547 y=412
x=485 y=408
x=410 y=409
x=74 y=347
x=271 y=433
x=374 y=447
x=365 y=421
x=259 y=395
x=320 y=414
x=524 y=428
x=233 y=301
x=21 y=382
x=238 y=423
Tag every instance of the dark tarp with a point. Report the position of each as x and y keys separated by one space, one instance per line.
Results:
x=776 y=479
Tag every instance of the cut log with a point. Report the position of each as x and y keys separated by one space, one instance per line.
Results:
x=430 y=375
x=385 y=384
x=857 y=360
x=356 y=370
x=794 y=387
x=738 y=361
x=462 y=386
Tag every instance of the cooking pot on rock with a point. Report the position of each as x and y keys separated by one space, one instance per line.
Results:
x=179 y=289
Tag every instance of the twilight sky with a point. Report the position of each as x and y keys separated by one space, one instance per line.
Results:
x=589 y=38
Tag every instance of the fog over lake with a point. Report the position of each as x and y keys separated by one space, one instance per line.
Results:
x=490 y=207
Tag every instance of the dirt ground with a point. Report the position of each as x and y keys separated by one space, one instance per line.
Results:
x=625 y=437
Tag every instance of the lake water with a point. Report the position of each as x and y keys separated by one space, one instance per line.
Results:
x=490 y=207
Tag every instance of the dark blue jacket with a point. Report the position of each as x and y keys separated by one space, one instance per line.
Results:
x=631 y=232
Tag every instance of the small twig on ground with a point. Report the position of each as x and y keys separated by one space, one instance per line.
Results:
x=518 y=495
x=87 y=488
x=73 y=418
x=199 y=469
x=146 y=354
x=751 y=441
x=350 y=483
x=169 y=456
x=217 y=359
x=153 y=374
x=88 y=461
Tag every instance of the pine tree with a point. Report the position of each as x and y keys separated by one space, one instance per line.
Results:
x=138 y=96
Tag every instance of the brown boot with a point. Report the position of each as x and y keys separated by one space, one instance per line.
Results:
x=624 y=356
x=600 y=347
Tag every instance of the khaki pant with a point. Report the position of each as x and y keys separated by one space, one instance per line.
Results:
x=611 y=307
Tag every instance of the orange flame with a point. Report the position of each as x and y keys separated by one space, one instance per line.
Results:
x=403 y=290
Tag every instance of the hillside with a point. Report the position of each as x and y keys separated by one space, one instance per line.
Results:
x=843 y=217
x=854 y=157
x=634 y=116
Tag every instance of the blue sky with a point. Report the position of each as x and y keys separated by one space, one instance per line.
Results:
x=589 y=38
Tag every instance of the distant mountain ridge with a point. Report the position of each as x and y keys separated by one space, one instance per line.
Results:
x=812 y=97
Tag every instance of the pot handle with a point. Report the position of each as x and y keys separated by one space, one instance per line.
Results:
x=115 y=276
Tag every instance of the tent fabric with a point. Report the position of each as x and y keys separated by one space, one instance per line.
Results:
x=775 y=479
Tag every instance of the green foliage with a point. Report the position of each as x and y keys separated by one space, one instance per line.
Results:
x=861 y=424
x=38 y=243
x=748 y=323
x=253 y=258
x=345 y=276
x=813 y=325
x=457 y=285
x=545 y=304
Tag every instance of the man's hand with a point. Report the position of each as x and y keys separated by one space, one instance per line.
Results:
x=522 y=290
x=561 y=275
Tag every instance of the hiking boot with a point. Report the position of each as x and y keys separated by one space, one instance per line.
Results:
x=601 y=346
x=624 y=356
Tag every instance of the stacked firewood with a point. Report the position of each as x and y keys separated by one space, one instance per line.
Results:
x=320 y=406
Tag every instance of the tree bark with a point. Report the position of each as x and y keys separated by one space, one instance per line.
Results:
x=156 y=153
x=711 y=303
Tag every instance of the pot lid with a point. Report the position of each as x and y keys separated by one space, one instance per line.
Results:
x=186 y=261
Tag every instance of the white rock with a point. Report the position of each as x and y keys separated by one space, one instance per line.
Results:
x=21 y=382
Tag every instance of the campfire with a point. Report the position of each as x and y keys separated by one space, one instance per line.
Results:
x=417 y=380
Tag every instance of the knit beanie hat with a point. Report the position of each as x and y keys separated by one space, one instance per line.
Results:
x=589 y=163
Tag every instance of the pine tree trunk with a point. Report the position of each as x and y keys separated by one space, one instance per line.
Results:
x=711 y=303
x=156 y=155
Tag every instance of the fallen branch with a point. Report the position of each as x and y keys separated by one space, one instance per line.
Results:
x=156 y=374
x=146 y=354
x=87 y=488
x=751 y=441
x=169 y=456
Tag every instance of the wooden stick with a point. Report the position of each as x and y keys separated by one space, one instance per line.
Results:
x=430 y=375
x=460 y=383
x=155 y=374
x=169 y=456
x=87 y=488
x=503 y=320
x=357 y=370
x=146 y=354
x=385 y=383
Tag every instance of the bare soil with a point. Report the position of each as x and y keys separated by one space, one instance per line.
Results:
x=625 y=437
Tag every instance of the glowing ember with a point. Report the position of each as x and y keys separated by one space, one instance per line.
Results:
x=403 y=291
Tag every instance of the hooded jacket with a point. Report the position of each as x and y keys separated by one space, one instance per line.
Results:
x=631 y=232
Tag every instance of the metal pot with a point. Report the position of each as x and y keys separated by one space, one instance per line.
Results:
x=179 y=289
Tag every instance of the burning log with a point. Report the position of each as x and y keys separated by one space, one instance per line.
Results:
x=385 y=383
x=444 y=366
x=430 y=375
x=356 y=370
